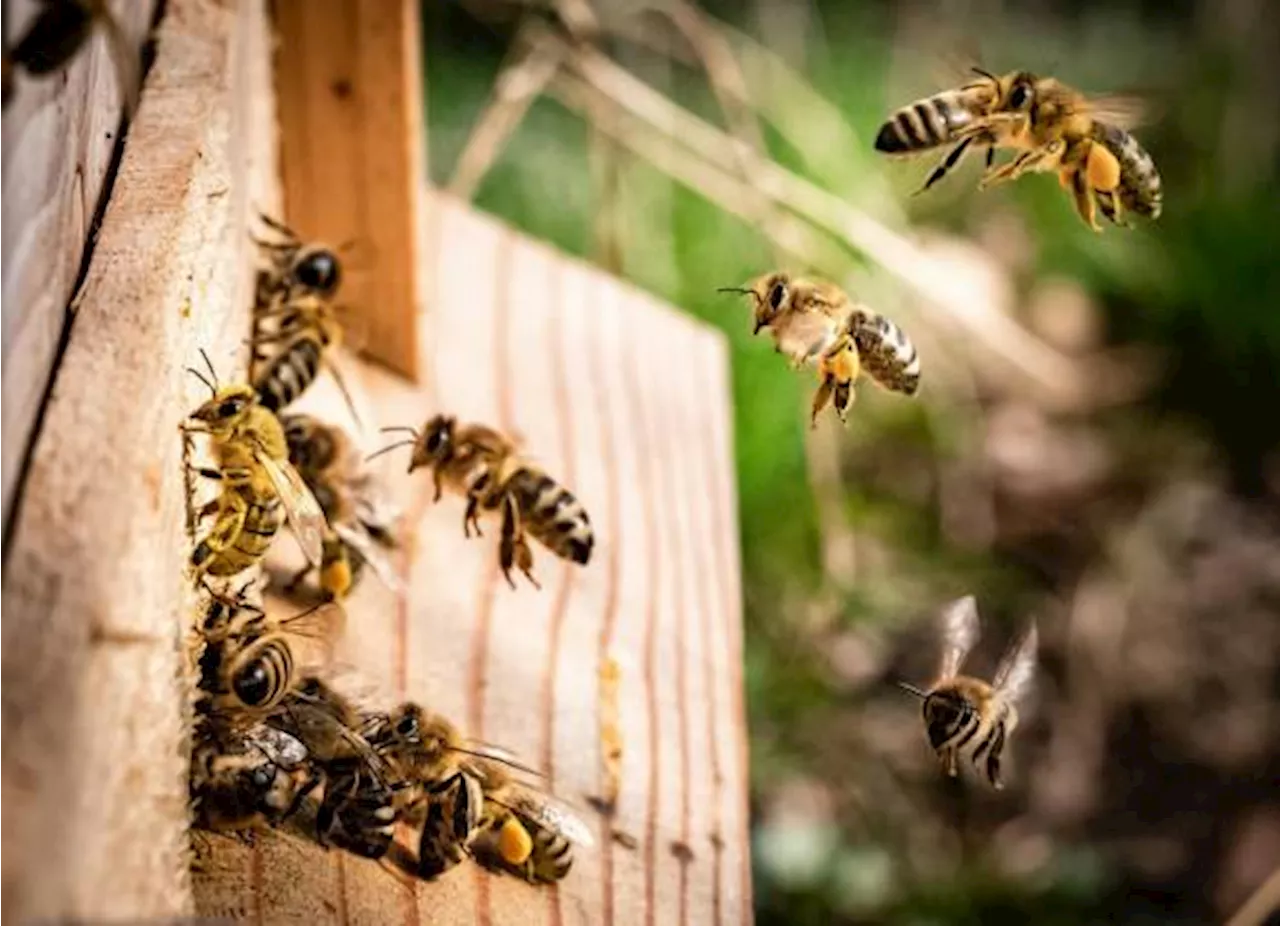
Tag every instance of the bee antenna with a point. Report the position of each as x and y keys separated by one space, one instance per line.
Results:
x=980 y=72
x=200 y=376
x=912 y=689
x=396 y=446
x=399 y=427
x=213 y=374
x=510 y=763
x=733 y=289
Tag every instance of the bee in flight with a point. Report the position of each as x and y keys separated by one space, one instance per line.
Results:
x=58 y=31
x=963 y=714
x=260 y=488
x=361 y=519
x=814 y=320
x=1050 y=126
x=485 y=467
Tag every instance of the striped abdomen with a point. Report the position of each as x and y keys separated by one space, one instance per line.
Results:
x=552 y=515
x=261 y=674
x=552 y=855
x=288 y=374
x=930 y=122
x=453 y=814
x=262 y=522
x=360 y=805
x=887 y=355
x=1140 y=189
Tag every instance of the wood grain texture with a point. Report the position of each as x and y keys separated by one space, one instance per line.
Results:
x=59 y=133
x=626 y=402
x=349 y=81
x=96 y=601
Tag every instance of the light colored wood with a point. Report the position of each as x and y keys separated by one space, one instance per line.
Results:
x=96 y=603
x=349 y=82
x=59 y=133
x=626 y=402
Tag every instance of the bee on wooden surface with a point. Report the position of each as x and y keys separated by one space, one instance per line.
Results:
x=242 y=781
x=358 y=810
x=361 y=519
x=1051 y=126
x=58 y=31
x=525 y=831
x=260 y=488
x=963 y=714
x=247 y=667
x=815 y=321
x=486 y=468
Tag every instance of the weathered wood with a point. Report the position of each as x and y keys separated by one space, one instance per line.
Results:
x=625 y=401
x=96 y=601
x=349 y=81
x=59 y=134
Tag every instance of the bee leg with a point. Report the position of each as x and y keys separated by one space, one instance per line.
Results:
x=222 y=535
x=844 y=396
x=950 y=161
x=209 y=509
x=1082 y=192
x=472 y=516
x=437 y=482
x=991 y=156
x=993 y=760
x=820 y=400
x=513 y=549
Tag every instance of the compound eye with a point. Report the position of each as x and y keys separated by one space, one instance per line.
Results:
x=408 y=726
x=776 y=295
x=231 y=407
x=262 y=778
x=435 y=440
x=1020 y=96
x=319 y=271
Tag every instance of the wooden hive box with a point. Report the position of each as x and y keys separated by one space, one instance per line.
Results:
x=622 y=398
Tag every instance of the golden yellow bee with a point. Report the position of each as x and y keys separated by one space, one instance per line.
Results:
x=58 y=31
x=525 y=831
x=963 y=714
x=1052 y=128
x=361 y=518
x=485 y=467
x=259 y=486
x=814 y=320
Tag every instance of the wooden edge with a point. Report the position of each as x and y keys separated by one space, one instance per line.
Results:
x=348 y=77
x=626 y=402
x=97 y=601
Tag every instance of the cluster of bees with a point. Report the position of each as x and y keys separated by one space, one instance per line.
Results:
x=269 y=738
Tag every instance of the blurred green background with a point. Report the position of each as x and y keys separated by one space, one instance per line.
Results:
x=1134 y=515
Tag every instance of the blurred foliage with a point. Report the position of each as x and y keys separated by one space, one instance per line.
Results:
x=1199 y=291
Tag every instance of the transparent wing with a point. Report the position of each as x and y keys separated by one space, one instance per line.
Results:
x=358 y=538
x=1122 y=111
x=555 y=815
x=1017 y=668
x=959 y=634
x=306 y=518
x=325 y=621
x=125 y=59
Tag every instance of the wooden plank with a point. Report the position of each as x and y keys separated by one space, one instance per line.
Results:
x=349 y=83
x=97 y=604
x=59 y=135
x=625 y=401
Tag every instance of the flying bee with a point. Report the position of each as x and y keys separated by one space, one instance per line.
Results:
x=58 y=31
x=242 y=781
x=966 y=714
x=1139 y=188
x=361 y=519
x=258 y=483
x=248 y=667
x=486 y=468
x=814 y=320
x=1051 y=126
x=293 y=265
x=359 y=803
x=525 y=831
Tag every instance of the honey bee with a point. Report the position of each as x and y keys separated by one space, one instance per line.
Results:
x=247 y=666
x=258 y=484
x=814 y=320
x=360 y=789
x=1139 y=189
x=58 y=31
x=525 y=831
x=1051 y=126
x=966 y=714
x=360 y=518
x=295 y=266
x=245 y=780
x=485 y=467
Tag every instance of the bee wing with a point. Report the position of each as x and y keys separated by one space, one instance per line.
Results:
x=325 y=621
x=306 y=518
x=125 y=59
x=1121 y=110
x=554 y=814
x=803 y=335
x=959 y=634
x=358 y=537
x=1017 y=668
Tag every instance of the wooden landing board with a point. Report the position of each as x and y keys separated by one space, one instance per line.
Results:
x=59 y=133
x=96 y=605
x=625 y=401
x=348 y=77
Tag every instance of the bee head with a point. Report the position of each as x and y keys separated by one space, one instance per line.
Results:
x=771 y=293
x=1021 y=93
x=318 y=270
x=228 y=407
x=436 y=443
x=946 y=712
